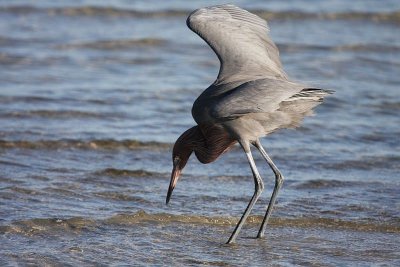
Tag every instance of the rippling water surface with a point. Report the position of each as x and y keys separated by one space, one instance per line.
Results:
x=94 y=93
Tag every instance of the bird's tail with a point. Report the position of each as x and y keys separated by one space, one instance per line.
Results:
x=301 y=104
x=315 y=94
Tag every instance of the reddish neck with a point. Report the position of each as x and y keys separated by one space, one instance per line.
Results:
x=206 y=148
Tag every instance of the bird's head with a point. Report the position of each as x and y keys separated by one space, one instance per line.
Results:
x=183 y=148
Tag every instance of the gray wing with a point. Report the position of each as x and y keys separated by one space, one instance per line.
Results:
x=259 y=96
x=240 y=40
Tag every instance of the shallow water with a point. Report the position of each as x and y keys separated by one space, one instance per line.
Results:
x=93 y=96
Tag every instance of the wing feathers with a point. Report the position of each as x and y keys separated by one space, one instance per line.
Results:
x=244 y=15
x=259 y=96
x=240 y=40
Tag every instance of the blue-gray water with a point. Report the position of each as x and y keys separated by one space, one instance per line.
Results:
x=94 y=93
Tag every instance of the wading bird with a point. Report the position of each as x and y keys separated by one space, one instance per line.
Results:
x=251 y=97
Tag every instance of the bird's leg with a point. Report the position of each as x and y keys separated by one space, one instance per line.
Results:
x=278 y=184
x=259 y=186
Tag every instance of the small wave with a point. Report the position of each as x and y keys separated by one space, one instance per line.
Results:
x=381 y=63
x=301 y=222
x=116 y=44
x=347 y=47
x=92 y=11
x=123 y=172
x=22 y=190
x=26 y=99
x=59 y=114
x=318 y=184
x=7 y=59
x=82 y=144
x=34 y=226
x=368 y=47
x=11 y=41
x=391 y=17
x=8 y=41
x=118 y=196
x=104 y=60
x=384 y=136
x=10 y=163
x=388 y=106
x=367 y=163
x=5 y=41
x=40 y=225
x=142 y=216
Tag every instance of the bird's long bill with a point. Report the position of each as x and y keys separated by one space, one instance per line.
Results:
x=176 y=172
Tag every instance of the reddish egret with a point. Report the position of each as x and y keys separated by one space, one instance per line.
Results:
x=250 y=98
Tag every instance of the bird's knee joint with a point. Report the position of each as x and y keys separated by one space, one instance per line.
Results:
x=258 y=190
x=279 y=178
x=259 y=186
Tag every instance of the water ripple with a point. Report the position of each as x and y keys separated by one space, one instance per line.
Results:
x=392 y=17
x=83 y=144
x=39 y=225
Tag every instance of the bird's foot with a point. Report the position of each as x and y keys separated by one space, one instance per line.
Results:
x=230 y=241
x=260 y=235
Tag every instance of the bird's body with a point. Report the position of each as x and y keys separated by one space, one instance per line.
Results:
x=250 y=98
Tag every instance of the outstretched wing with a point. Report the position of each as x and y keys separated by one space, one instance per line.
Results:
x=240 y=40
